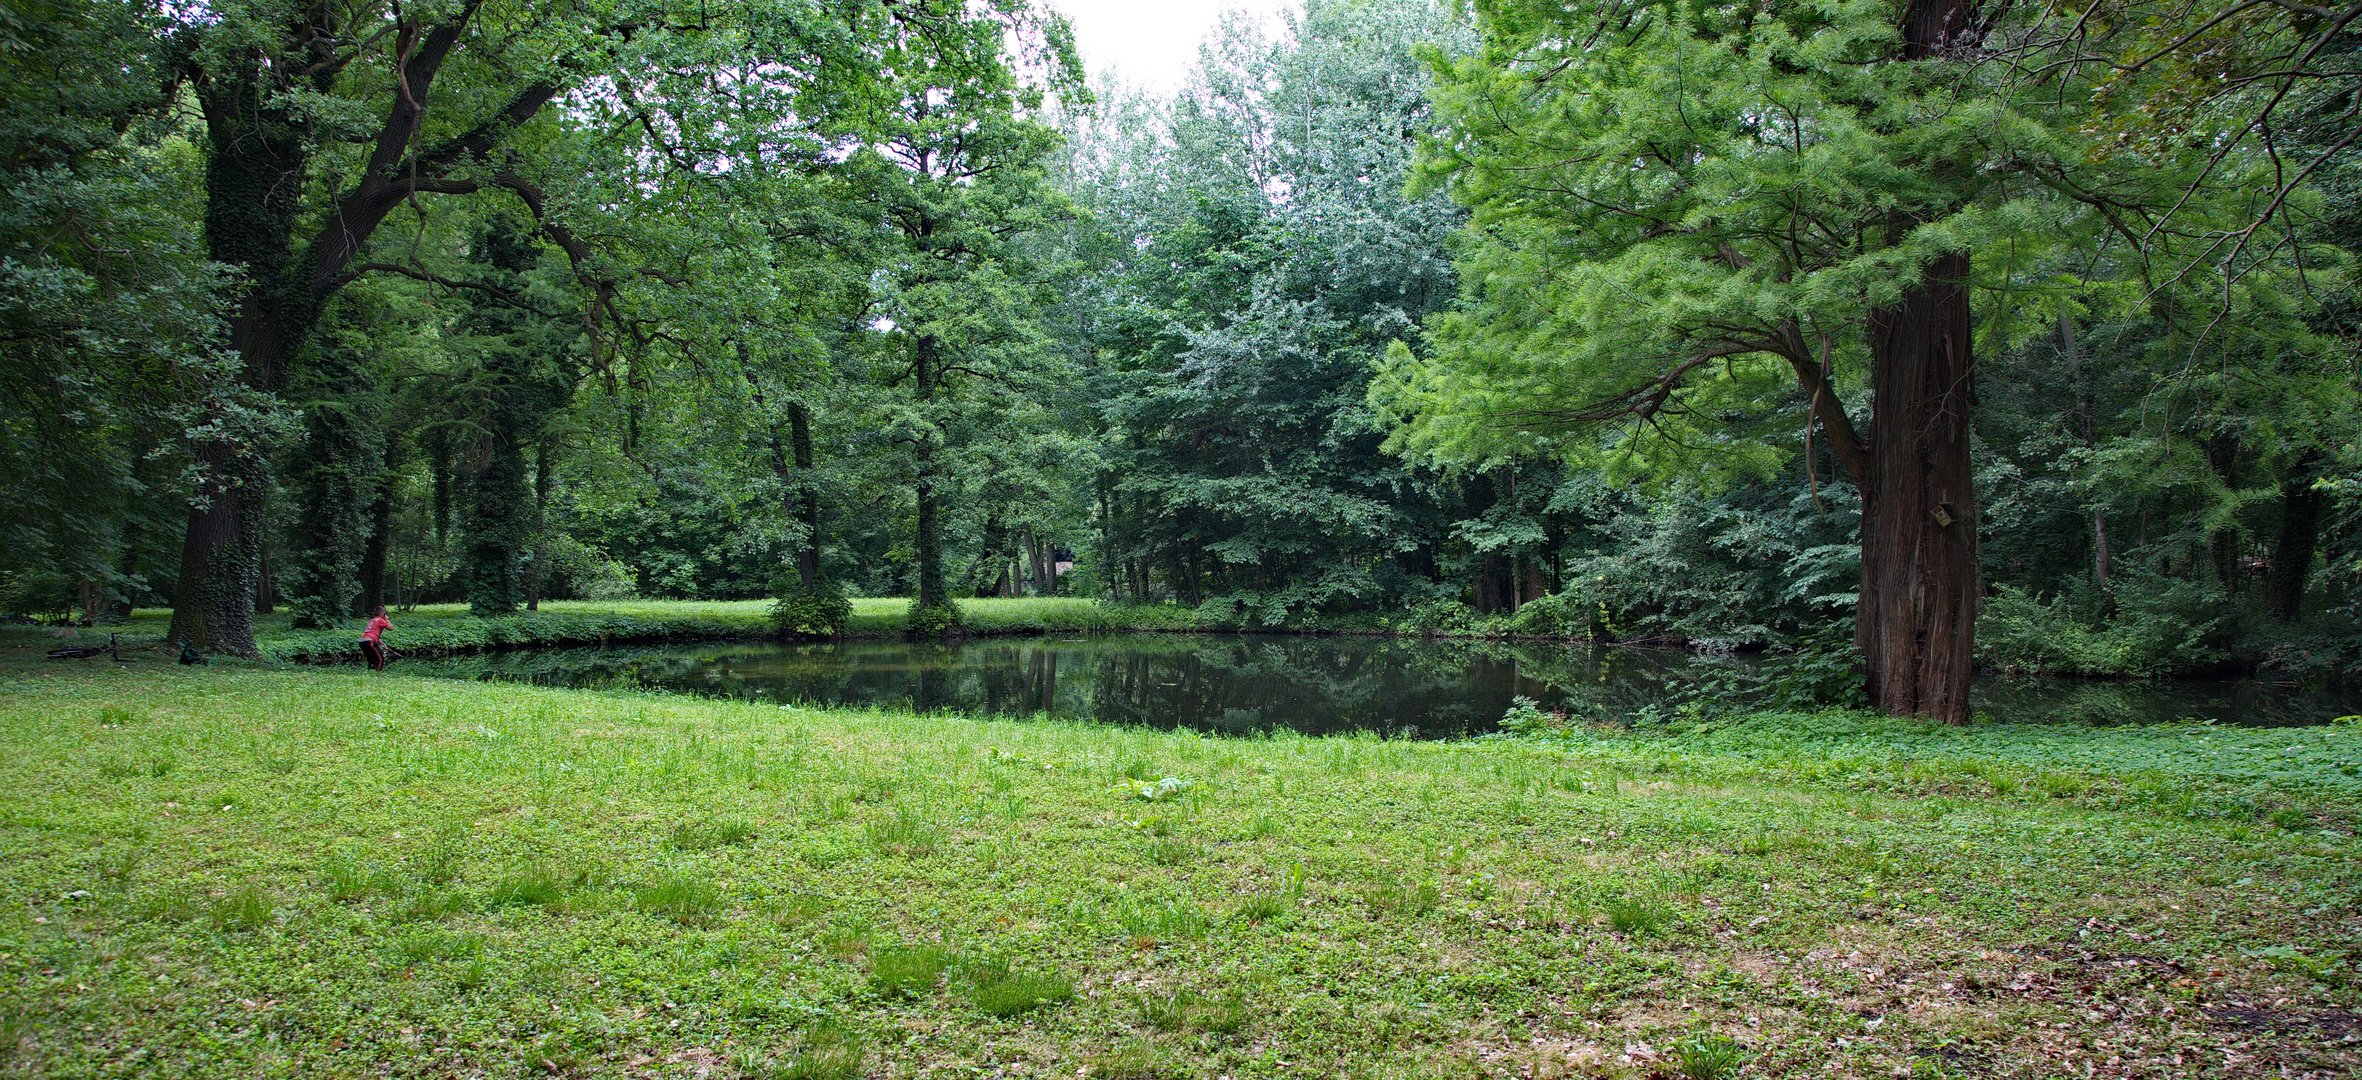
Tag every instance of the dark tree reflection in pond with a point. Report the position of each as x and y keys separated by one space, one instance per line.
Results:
x=1248 y=683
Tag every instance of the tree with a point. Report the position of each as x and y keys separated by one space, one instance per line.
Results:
x=1260 y=252
x=109 y=333
x=335 y=471
x=519 y=374
x=322 y=123
x=1691 y=219
x=954 y=168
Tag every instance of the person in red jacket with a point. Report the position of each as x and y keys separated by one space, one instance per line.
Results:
x=371 y=645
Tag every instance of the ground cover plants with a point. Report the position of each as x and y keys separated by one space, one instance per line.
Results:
x=247 y=871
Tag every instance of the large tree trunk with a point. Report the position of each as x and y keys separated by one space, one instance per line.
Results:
x=931 y=590
x=221 y=555
x=2083 y=415
x=2292 y=550
x=1036 y=568
x=257 y=149
x=537 y=571
x=379 y=545
x=1536 y=587
x=254 y=167
x=799 y=420
x=1916 y=622
x=2222 y=545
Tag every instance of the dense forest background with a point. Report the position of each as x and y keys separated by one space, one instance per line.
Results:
x=1525 y=319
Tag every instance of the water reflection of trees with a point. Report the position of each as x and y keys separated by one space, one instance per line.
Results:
x=1243 y=683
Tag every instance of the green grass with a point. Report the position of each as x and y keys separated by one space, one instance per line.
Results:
x=344 y=874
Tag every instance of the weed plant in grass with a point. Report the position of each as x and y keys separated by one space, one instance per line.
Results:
x=680 y=896
x=579 y=883
x=702 y=835
x=533 y=885
x=907 y=970
x=997 y=990
x=1638 y=915
x=1189 y=1012
x=825 y=1053
x=1709 y=1057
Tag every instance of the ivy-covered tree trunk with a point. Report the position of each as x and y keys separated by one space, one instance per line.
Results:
x=379 y=545
x=255 y=158
x=335 y=480
x=221 y=554
x=537 y=568
x=497 y=524
x=929 y=553
x=807 y=496
x=1916 y=621
x=932 y=612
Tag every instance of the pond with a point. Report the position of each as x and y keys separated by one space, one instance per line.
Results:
x=1238 y=684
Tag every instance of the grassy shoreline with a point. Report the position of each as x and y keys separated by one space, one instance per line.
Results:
x=443 y=630
x=437 y=630
x=257 y=871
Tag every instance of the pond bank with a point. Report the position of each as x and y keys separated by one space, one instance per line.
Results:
x=443 y=630
x=596 y=882
x=447 y=630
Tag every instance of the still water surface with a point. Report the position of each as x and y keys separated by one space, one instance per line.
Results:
x=1248 y=683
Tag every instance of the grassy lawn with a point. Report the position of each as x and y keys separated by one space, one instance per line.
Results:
x=240 y=871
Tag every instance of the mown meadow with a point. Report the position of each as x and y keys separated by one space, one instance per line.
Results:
x=255 y=872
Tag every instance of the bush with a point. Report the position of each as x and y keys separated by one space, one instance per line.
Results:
x=2160 y=627
x=1441 y=616
x=934 y=621
x=1526 y=717
x=1820 y=671
x=1558 y=615
x=2326 y=649
x=820 y=612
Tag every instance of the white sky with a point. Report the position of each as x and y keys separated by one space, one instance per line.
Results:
x=1151 y=43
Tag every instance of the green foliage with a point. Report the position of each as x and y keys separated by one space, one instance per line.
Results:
x=1438 y=616
x=1527 y=717
x=1235 y=328
x=111 y=336
x=1558 y=615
